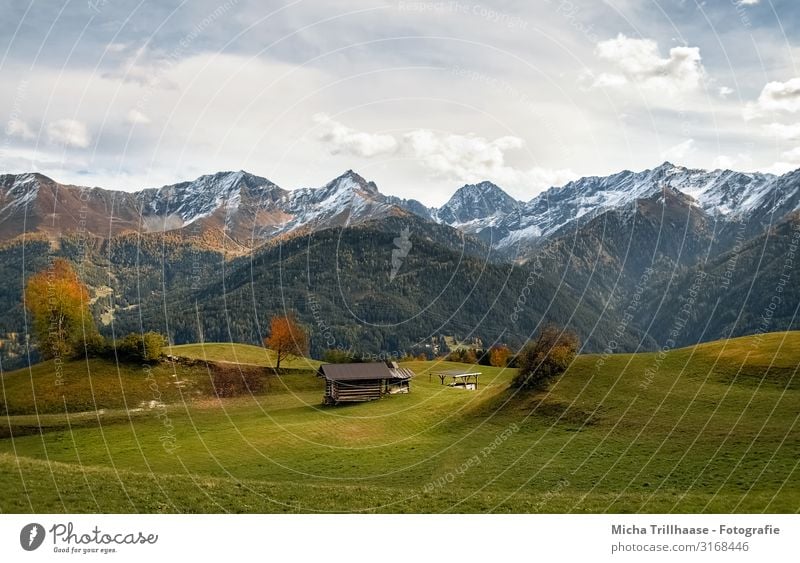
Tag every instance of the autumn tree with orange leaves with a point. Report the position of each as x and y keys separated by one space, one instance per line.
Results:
x=499 y=355
x=286 y=338
x=59 y=304
x=546 y=357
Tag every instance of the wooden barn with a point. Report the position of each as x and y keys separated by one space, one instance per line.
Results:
x=350 y=383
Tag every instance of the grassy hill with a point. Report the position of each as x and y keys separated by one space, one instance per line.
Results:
x=239 y=353
x=98 y=384
x=711 y=428
x=47 y=388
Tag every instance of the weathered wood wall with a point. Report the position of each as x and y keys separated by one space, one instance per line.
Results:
x=353 y=391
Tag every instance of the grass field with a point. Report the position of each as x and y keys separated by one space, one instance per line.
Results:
x=707 y=429
x=239 y=353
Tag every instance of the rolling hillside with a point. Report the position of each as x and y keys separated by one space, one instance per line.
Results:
x=240 y=354
x=712 y=428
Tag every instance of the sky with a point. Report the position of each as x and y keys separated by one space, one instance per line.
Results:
x=420 y=97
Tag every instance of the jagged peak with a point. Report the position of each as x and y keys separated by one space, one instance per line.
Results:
x=223 y=183
x=233 y=177
x=481 y=201
x=24 y=177
x=351 y=181
x=481 y=191
x=482 y=188
x=667 y=165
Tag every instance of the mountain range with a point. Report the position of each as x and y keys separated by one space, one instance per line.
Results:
x=585 y=245
x=251 y=210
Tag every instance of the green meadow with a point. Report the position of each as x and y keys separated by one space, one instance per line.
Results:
x=713 y=428
x=239 y=353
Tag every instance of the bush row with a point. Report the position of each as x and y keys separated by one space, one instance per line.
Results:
x=147 y=347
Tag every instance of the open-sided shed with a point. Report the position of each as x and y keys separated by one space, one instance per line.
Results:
x=363 y=381
x=465 y=379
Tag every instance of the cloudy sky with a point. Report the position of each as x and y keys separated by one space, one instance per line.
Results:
x=420 y=97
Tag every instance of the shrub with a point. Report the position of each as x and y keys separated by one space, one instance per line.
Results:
x=95 y=346
x=498 y=356
x=135 y=347
x=464 y=355
x=339 y=356
x=545 y=358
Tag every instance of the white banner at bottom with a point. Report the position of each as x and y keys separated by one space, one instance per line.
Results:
x=389 y=538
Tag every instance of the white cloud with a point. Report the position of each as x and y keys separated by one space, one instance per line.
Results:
x=787 y=132
x=780 y=168
x=742 y=161
x=50 y=162
x=447 y=156
x=724 y=91
x=524 y=184
x=69 y=133
x=638 y=61
x=790 y=160
x=792 y=156
x=459 y=156
x=142 y=66
x=137 y=117
x=749 y=2
x=345 y=140
x=679 y=151
x=116 y=47
x=723 y=162
x=775 y=97
x=607 y=80
x=20 y=129
x=471 y=158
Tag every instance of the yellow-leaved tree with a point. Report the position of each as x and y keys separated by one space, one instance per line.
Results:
x=287 y=338
x=59 y=305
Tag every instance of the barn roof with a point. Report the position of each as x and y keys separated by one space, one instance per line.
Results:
x=356 y=372
x=402 y=373
x=458 y=372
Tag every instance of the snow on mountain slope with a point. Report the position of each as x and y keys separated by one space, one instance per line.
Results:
x=200 y=198
x=17 y=190
x=251 y=208
x=347 y=200
x=476 y=206
x=724 y=194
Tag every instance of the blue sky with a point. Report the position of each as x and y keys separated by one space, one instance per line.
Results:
x=421 y=97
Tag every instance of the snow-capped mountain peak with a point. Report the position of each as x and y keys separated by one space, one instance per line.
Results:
x=476 y=205
x=247 y=205
x=203 y=196
x=724 y=194
x=19 y=190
